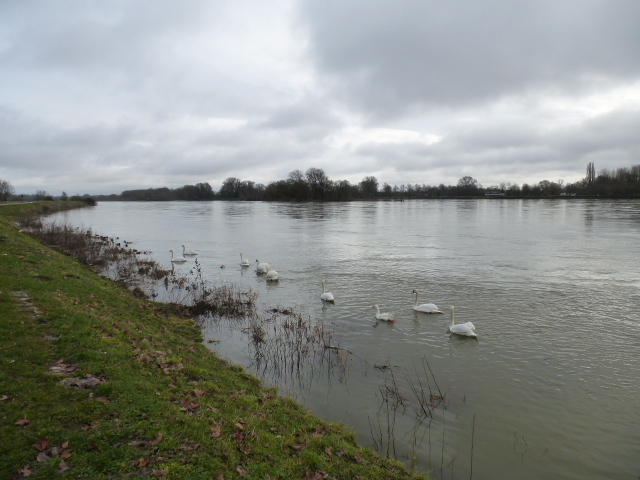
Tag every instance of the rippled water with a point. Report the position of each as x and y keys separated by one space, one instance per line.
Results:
x=548 y=390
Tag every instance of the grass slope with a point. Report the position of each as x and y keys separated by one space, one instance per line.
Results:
x=96 y=384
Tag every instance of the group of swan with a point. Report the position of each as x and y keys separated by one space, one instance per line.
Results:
x=184 y=253
x=262 y=268
x=466 y=329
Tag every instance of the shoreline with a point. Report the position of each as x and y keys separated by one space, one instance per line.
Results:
x=96 y=383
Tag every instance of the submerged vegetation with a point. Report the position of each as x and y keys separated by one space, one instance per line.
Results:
x=99 y=381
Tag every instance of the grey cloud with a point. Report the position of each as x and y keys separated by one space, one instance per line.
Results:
x=387 y=58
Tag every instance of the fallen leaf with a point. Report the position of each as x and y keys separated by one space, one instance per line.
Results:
x=142 y=462
x=241 y=471
x=316 y=433
x=22 y=423
x=102 y=399
x=25 y=472
x=63 y=467
x=220 y=477
x=215 y=432
x=157 y=440
x=3 y=398
x=41 y=444
x=64 y=446
x=239 y=426
x=43 y=457
x=160 y=473
x=199 y=393
x=328 y=451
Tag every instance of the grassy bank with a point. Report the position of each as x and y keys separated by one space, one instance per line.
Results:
x=95 y=383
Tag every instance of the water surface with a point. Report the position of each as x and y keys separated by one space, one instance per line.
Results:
x=548 y=390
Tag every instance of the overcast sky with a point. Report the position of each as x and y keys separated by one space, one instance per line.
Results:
x=99 y=97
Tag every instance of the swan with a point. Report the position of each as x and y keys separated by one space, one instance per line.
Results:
x=177 y=259
x=467 y=329
x=425 y=307
x=188 y=252
x=272 y=274
x=387 y=317
x=243 y=261
x=262 y=267
x=326 y=296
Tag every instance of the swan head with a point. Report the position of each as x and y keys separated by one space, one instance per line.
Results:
x=414 y=291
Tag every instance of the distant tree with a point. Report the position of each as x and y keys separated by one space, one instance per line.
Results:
x=342 y=190
x=318 y=182
x=298 y=186
x=230 y=188
x=591 y=174
x=468 y=186
x=369 y=186
x=6 y=190
x=386 y=189
x=41 y=195
x=64 y=196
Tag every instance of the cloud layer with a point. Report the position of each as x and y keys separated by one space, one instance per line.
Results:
x=100 y=98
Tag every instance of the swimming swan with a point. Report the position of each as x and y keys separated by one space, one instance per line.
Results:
x=261 y=267
x=425 y=307
x=188 y=252
x=386 y=317
x=243 y=261
x=272 y=275
x=326 y=296
x=177 y=259
x=465 y=329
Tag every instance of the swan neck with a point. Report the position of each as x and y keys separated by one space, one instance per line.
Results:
x=453 y=317
x=416 y=304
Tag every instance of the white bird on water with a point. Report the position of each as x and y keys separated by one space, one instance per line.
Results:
x=425 y=307
x=465 y=329
x=272 y=275
x=326 y=296
x=177 y=259
x=243 y=261
x=262 y=267
x=385 y=317
x=188 y=252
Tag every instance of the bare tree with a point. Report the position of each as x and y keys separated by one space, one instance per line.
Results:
x=369 y=186
x=6 y=190
x=319 y=182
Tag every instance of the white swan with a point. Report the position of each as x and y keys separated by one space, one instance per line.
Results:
x=262 y=267
x=425 y=307
x=386 y=317
x=326 y=296
x=243 y=261
x=272 y=275
x=188 y=252
x=177 y=259
x=465 y=329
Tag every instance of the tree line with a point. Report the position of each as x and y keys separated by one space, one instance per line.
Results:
x=315 y=185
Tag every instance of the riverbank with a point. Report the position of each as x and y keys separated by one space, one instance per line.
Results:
x=95 y=383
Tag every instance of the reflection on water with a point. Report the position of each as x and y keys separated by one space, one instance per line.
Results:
x=548 y=390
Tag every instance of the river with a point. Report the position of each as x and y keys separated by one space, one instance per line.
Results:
x=550 y=388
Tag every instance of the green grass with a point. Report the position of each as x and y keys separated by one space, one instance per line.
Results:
x=164 y=406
